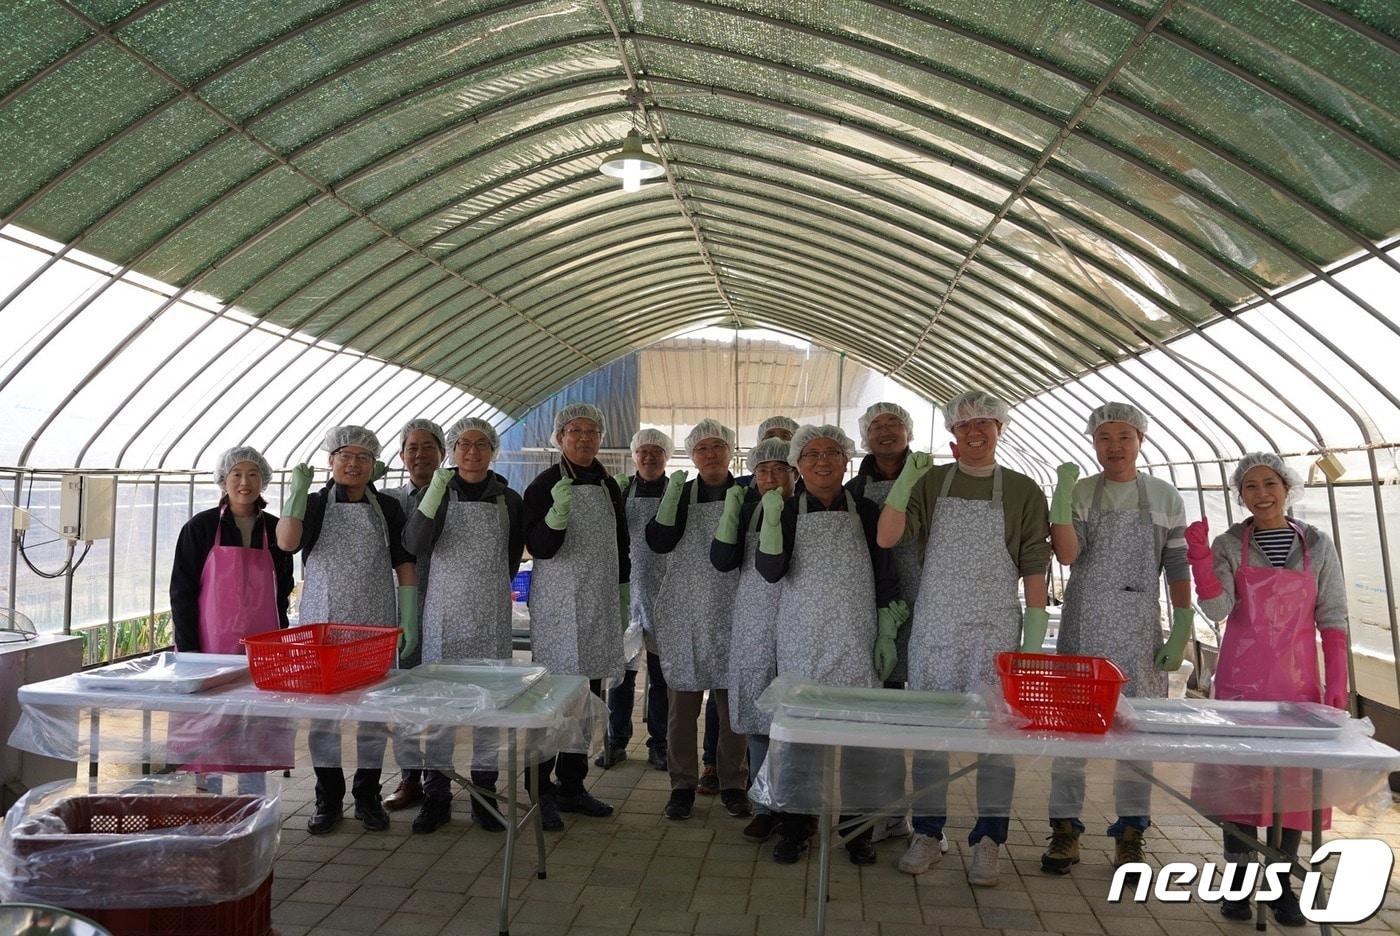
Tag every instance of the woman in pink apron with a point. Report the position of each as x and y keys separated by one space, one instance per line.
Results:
x=229 y=580
x=1277 y=583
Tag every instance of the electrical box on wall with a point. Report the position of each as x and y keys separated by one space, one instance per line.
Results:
x=85 y=509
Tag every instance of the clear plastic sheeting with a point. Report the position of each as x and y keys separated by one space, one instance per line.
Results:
x=858 y=756
x=239 y=726
x=153 y=842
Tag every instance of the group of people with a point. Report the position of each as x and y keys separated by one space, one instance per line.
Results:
x=908 y=575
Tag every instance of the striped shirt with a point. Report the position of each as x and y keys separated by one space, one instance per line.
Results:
x=1276 y=544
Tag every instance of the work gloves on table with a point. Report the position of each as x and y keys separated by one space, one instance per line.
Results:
x=1061 y=509
x=437 y=489
x=888 y=620
x=915 y=467
x=728 y=529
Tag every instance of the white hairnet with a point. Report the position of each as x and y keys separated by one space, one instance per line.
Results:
x=807 y=434
x=709 y=429
x=568 y=414
x=467 y=423
x=1291 y=479
x=242 y=453
x=975 y=404
x=776 y=422
x=341 y=436
x=1117 y=412
x=774 y=449
x=652 y=437
x=426 y=425
x=879 y=409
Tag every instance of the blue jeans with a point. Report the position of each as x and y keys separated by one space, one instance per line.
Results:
x=758 y=753
x=996 y=781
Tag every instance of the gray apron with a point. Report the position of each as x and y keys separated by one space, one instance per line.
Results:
x=349 y=578
x=826 y=615
x=909 y=568
x=1111 y=608
x=695 y=605
x=575 y=627
x=753 y=660
x=969 y=609
x=466 y=614
x=648 y=567
x=409 y=499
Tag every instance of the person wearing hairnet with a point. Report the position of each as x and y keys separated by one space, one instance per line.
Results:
x=651 y=449
x=774 y=427
x=839 y=609
x=1277 y=584
x=983 y=530
x=694 y=609
x=229 y=580
x=753 y=660
x=471 y=524
x=351 y=541
x=422 y=450
x=1118 y=531
x=576 y=530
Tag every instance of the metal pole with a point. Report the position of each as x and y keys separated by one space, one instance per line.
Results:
x=1385 y=567
x=68 y=590
x=840 y=379
x=155 y=533
x=14 y=547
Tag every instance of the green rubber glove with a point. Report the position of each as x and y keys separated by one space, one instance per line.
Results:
x=437 y=490
x=1061 y=508
x=1034 y=623
x=728 y=529
x=1168 y=659
x=408 y=618
x=295 y=507
x=621 y=481
x=915 y=467
x=563 y=493
x=380 y=470
x=671 y=500
x=888 y=621
x=770 y=531
x=624 y=596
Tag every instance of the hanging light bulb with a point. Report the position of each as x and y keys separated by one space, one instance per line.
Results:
x=632 y=164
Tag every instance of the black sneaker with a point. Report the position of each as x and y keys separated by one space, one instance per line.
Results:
x=788 y=850
x=324 y=820
x=1286 y=910
x=861 y=851
x=609 y=758
x=1236 y=910
x=761 y=827
x=372 y=815
x=680 y=805
x=585 y=805
x=485 y=819
x=436 y=813
x=549 y=813
x=736 y=803
x=656 y=757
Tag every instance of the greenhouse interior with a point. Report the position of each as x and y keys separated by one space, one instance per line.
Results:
x=534 y=348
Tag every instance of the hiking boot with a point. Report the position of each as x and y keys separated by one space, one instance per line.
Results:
x=986 y=864
x=736 y=803
x=680 y=805
x=1128 y=848
x=324 y=820
x=436 y=813
x=923 y=851
x=709 y=782
x=1063 y=852
x=406 y=795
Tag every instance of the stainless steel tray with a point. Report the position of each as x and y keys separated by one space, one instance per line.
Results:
x=1220 y=718
x=888 y=707
x=181 y=673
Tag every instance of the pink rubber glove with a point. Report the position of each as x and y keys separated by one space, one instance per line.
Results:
x=1202 y=561
x=1337 y=692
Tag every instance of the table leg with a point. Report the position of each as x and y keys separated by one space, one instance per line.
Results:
x=533 y=771
x=512 y=830
x=1275 y=843
x=94 y=732
x=1324 y=928
x=823 y=867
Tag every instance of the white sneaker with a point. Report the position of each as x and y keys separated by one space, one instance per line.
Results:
x=986 y=864
x=892 y=827
x=943 y=843
x=922 y=852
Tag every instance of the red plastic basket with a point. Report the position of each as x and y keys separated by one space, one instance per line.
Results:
x=250 y=916
x=1061 y=693
x=321 y=658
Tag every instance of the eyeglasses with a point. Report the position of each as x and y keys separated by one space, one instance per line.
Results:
x=822 y=455
x=416 y=449
x=716 y=448
x=358 y=458
x=482 y=446
x=583 y=433
x=967 y=425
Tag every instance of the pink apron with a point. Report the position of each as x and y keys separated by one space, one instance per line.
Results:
x=1267 y=654
x=237 y=597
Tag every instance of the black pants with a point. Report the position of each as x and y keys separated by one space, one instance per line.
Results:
x=438 y=784
x=622 y=698
x=563 y=774
x=330 y=785
x=711 y=739
x=1236 y=845
x=799 y=827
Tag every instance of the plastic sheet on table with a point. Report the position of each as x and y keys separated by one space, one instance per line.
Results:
x=952 y=710
x=149 y=842
x=230 y=725
x=464 y=686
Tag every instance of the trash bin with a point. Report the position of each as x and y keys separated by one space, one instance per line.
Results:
x=150 y=857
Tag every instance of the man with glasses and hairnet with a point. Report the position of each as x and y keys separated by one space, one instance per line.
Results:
x=421 y=450
x=576 y=530
x=351 y=542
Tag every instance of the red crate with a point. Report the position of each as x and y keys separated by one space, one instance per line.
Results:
x=250 y=916
x=321 y=658
x=1061 y=693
